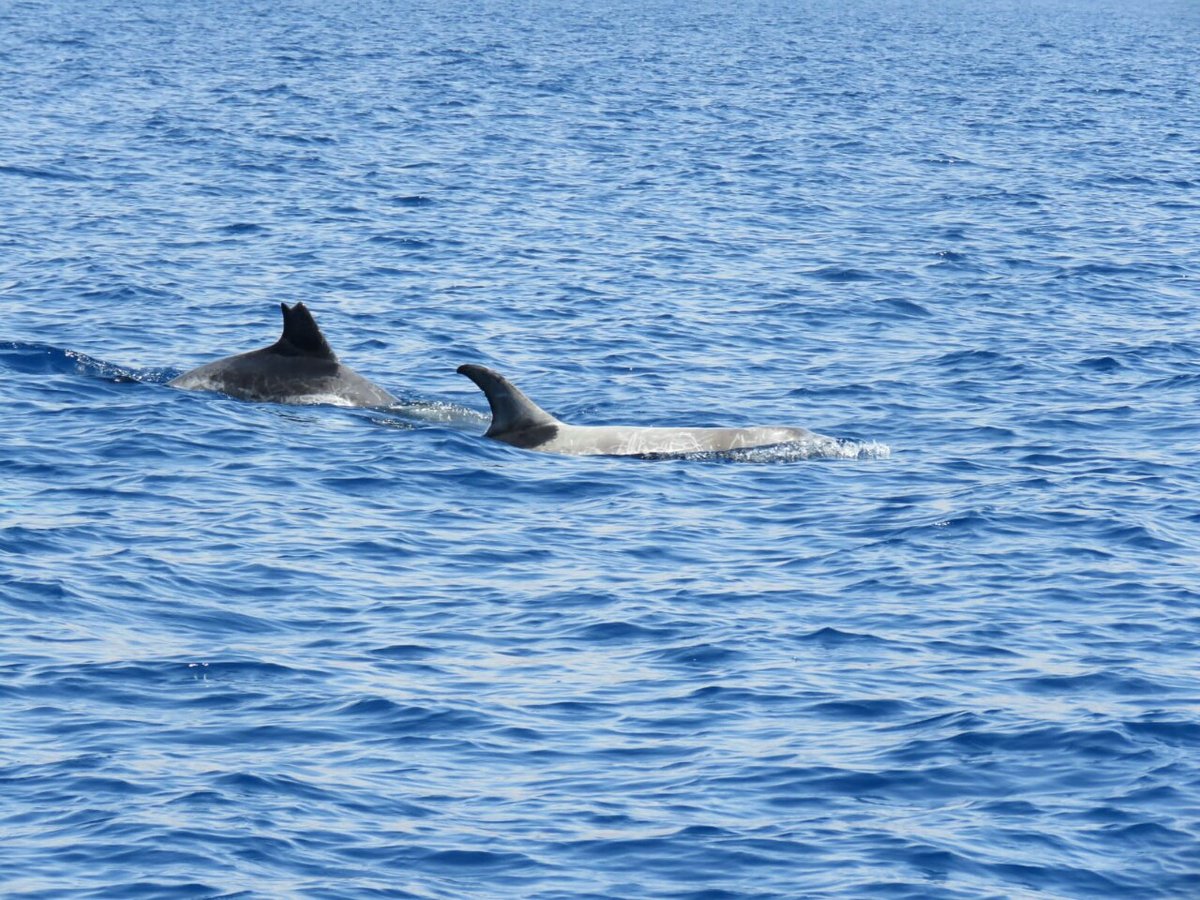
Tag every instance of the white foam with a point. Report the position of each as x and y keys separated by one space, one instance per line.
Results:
x=820 y=448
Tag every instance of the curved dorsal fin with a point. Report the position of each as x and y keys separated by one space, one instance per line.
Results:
x=511 y=410
x=301 y=336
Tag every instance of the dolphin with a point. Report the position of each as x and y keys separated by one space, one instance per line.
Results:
x=300 y=367
x=519 y=421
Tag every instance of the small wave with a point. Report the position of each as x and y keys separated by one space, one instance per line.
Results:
x=1101 y=364
x=1094 y=682
x=823 y=392
x=835 y=638
x=301 y=139
x=840 y=274
x=454 y=861
x=42 y=359
x=619 y=632
x=393 y=272
x=399 y=240
x=411 y=200
x=280 y=90
x=403 y=652
x=871 y=708
x=897 y=308
x=44 y=173
x=243 y=228
x=951 y=256
x=957 y=357
x=947 y=159
x=698 y=656
x=1175 y=381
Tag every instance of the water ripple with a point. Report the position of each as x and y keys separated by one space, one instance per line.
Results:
x=251 y=650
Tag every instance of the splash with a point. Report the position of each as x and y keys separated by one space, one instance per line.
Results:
x=792 y=451
x=824 y=448
x=440 y=413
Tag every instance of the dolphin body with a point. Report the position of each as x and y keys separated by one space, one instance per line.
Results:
x=519 y=421
x=300 y=367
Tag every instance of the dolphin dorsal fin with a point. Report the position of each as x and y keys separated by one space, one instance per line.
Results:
x=301 y=336
x=511 y=410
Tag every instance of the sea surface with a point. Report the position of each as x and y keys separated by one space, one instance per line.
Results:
x=254 y=650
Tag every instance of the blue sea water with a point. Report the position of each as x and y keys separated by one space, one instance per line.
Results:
x=263 y=651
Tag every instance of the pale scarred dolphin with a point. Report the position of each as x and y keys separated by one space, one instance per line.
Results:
x=519 y=421
x=300 y=367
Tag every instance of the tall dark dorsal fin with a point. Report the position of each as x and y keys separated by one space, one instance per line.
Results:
x=512 y=411
x=301 y=336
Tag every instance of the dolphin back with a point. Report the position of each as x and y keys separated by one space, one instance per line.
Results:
x=519 y=421
x=300 y=367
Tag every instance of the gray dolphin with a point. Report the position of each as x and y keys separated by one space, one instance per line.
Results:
x=300 y=367
x=519 y=421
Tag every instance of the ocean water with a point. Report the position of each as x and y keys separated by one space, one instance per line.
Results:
x=304 y=651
